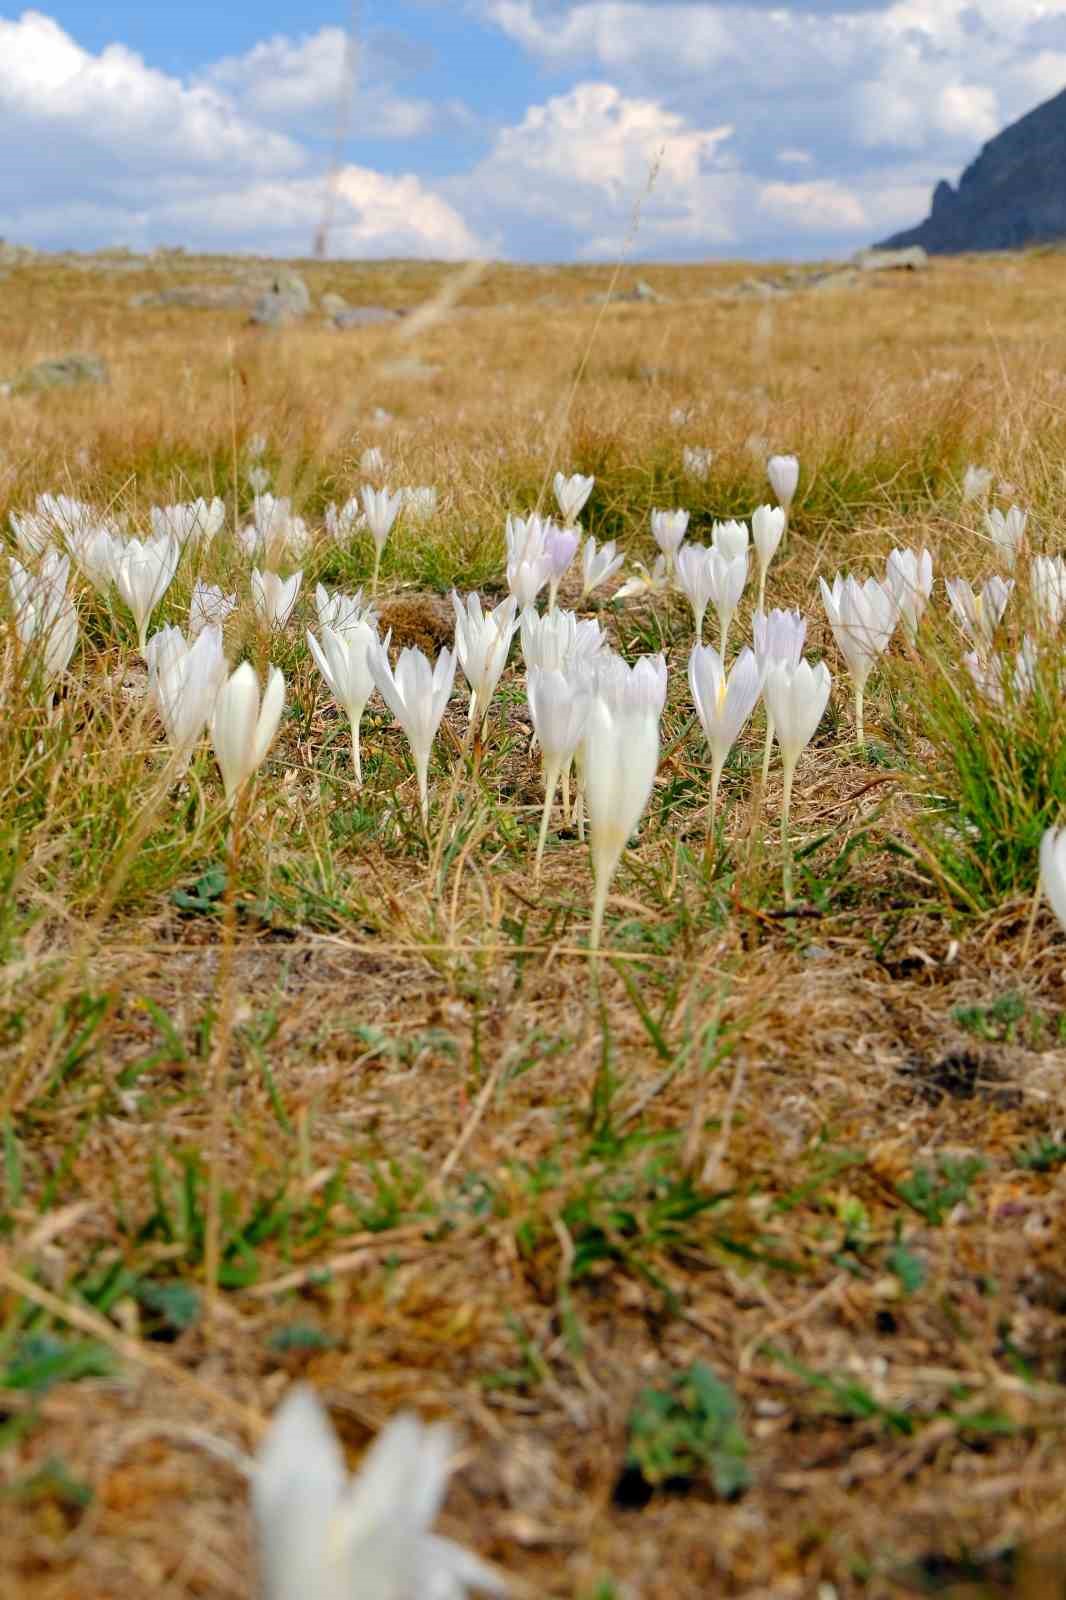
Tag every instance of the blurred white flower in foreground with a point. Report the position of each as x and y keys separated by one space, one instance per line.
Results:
x=323 y=1535
x=143 y=573
x=94 y=552
x=274 y=597
x=571 y=494
x=783 y=473
x=976 y=482
x=209 y=604
x=1007 y=532
x=482 y=642
x=1053 y=870
x=863 y=617
x=416 y=694
x=909 y=575
x=45 y=618
x=243 y=726
x=978 y=613
x=598 y=565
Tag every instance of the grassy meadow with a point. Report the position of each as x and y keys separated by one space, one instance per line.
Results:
x=738 y=1257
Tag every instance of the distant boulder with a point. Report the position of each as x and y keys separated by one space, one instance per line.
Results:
x=287 y=300
x=61 y=372
x=1013 y=195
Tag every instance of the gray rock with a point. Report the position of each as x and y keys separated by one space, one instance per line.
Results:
x=201 y=296
x=365 y=316
x=1012 y=196
x=287 y=300
x=61 y=372
x=910 y=259
x=645 y=292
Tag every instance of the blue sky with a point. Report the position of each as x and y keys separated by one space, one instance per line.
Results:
x=519 y=128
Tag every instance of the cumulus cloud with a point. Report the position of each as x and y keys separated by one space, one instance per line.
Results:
x=111 y=150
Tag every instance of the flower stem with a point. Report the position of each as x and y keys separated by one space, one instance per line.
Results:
x=377 y=569
x=761 y=606
x=786 y=843
x=767 y=748
x=357 y=761
x=551 y=781
x=709 y=845
x=860 y=728
x=599 y=906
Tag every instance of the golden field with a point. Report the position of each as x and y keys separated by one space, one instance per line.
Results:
x=464 y=1168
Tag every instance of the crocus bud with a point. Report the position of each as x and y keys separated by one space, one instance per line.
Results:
x=783 y=473
x=571 y=494
x=243 y=727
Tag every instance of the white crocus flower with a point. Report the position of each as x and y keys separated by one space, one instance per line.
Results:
x=528 y=562
x=343 y=523
x=863 y=617
x=184 y=681
x=323 y=1535
x=558 y=639
x=258 y=480
x=381 y=509
x=783 y=473
x=560 y=547
x=482 y=642
x=978 y=613
x=1047 y=576
x=1053 y=871
x=45 y=618
x=526 y=537
x=559 y=703
x=372 y=461
x=143 y=572
x=619 y=756
x=668 y=529
x=416 y=694
x=657 y=581
x=796 y=698
x=195 y=520
x=275 y=533
x=976 y=482
x=987 y=673
x=94 y=551
x=724 y=702
x=767 y=530
x=34 y=534
x=255 y=446
x=696 y=581
x=909 y=575
x=730 y=538
x=1007 y=533
x=598 y=565
x=343 y=611
x=343 y=658
x=243 y=727
x=55 y=517
x=571 y=494
x=696 y=461
x=420 y=502
x=779 y=637
x=274 y=597
x=727 y=579
x=209 y=604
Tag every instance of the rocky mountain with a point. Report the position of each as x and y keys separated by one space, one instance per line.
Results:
x=1014 y=194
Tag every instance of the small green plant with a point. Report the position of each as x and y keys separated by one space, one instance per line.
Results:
x=688 y=1429
x=1044 y=1154
x=998 y=1021
x=933 y=1193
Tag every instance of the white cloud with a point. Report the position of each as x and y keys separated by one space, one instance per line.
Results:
x=585 y=162
x=304 y=82
x=821 y=205
x=111 y=150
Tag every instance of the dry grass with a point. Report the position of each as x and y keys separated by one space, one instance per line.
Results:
x=456 y=1180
